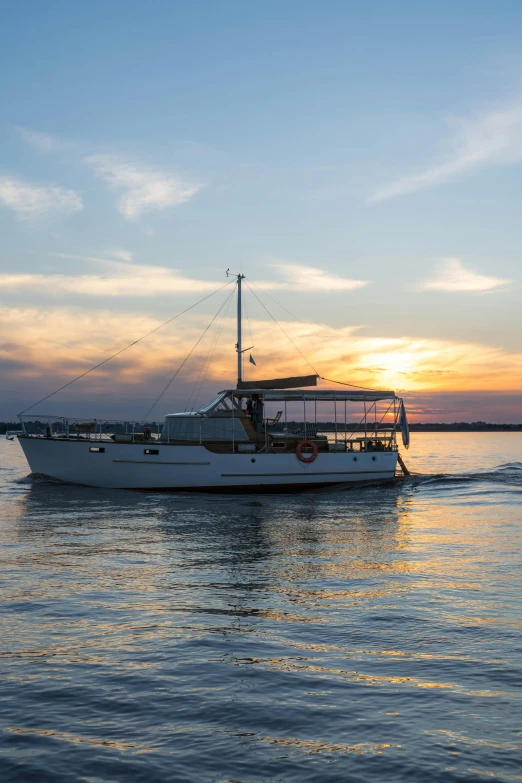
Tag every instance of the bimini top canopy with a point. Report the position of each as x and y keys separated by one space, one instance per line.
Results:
x=294 y=395
x=228 y=400
x=353 y=395
x=278 y=390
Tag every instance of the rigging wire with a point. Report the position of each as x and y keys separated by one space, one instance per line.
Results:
x=187 y=357
x=279 y=325
x=211 y=355
x=124 y=349
x=324 y=339
x=204 y=367
x=220 y=329
x=351 y=385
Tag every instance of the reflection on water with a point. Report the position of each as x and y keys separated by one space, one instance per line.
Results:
x=353 y=635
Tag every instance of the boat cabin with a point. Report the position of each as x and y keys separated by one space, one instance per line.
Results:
x=276 y=420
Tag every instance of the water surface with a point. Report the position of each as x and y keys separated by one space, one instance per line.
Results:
x=361 y=635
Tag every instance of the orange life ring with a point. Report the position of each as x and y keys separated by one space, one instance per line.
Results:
x=299 y=448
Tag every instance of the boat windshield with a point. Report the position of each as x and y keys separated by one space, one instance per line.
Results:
x=215 y=402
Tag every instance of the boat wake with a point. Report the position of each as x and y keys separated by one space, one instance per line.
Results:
x=38 y=478
x=507 y=474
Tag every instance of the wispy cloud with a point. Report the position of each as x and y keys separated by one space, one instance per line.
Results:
x=142 y=189
x=452 y=275
x=106 y=259
x=120 y=278
x=494 y=138
x=109 y=257
x=30 y=201
x=309 y=278
x=122 y=254
x=42 y=142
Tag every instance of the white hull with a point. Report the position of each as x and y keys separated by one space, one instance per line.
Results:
x=126 y=466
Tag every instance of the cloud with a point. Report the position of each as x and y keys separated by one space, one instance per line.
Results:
x=110 y=257
x=42 y=142
x=122 y=255
x=452 y=275
x=122 y=279
x=491 y=406
x=30 y=202
x=142 y=189
x=491 y=139
x=89 y=259
x=309 y=278
x=56 y=344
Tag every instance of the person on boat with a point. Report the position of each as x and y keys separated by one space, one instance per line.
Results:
x=250 y=409
x=258 y=414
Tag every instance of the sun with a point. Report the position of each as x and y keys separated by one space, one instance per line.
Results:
x=393 y=368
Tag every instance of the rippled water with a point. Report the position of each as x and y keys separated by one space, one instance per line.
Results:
x=361 y=635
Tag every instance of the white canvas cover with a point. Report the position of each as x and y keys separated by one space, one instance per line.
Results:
x=201 y=428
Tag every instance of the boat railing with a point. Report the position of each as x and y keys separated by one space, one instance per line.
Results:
x=363 y=435
x=366 y=437
x=83 y=428
x=364 y=443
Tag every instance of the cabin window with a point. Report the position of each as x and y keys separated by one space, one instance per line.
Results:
x=279 y=444
x=151 y=451
x=97 y=449
x=195 y=428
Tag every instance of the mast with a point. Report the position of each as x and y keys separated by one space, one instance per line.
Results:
x=238 y=346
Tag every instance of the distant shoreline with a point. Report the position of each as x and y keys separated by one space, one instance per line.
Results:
x=461 y=426
x=458 y=426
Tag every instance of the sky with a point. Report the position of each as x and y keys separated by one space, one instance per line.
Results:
x=361 y=164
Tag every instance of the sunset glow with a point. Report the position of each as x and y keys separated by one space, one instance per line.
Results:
x=44 y=346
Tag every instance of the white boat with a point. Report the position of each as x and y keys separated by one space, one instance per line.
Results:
x=233 y=444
